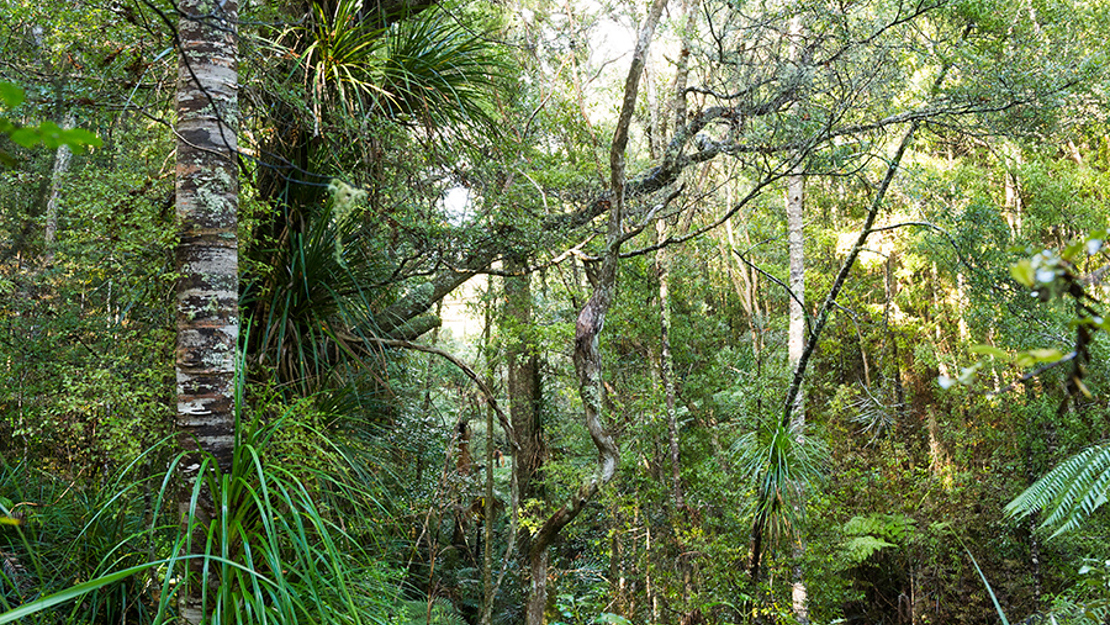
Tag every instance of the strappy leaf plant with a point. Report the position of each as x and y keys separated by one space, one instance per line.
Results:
x=295 y=542
x=781 y=462
x=310 y=311
x=425 y=68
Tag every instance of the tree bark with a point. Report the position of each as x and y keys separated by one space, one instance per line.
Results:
x=795 y=227
x=666 y=367
x=61 y=166
x=207 y=256
x=591 y=320
x=524 y=386
x=795 y=220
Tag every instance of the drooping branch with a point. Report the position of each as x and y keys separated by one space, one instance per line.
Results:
x=466 y=369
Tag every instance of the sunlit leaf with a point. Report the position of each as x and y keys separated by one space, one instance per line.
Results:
x=989 y=350
x=1045 y=355
x=26 y=137
x=79 y=138
x=11 y=95
x=1082 y=388
x=1023 y=272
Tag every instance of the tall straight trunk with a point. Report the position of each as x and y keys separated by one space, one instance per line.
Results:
x=207 y=257
x=524 y=387
x=487 y=503
x=795 y=226
x=795 y=220
x=61 y=166
x=666 y=365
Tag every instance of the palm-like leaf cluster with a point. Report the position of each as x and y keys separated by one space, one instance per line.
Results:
x=781 y=461
x=312 y=310
x=1069 y=493
x=426 y=68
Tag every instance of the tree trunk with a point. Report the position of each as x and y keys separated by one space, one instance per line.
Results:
x=61 y=166
x=795 y=227
x=524 y=385
x=795 y=220
x=591 y=320
x=207 y=258
x=666 y=367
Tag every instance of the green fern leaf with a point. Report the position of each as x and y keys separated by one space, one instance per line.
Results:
x=1069 y=493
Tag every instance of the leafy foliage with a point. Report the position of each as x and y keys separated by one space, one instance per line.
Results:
x=47 y=133
x=1069 y=493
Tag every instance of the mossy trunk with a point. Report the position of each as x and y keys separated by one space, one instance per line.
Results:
x=207 y=257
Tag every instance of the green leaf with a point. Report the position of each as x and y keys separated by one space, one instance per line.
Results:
x=997 y=607
x=26 y=137
x=1073 y=250
x=1046 y=355
x=51 y=134
x=989 y=350
x=73 y=592
x=1023 y=272
x=609 y=617
x=79 y=138
x=11 y=95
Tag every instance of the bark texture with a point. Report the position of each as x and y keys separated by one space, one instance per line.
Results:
x=62 y=158
x=207 y=256
x=207 y=201
x=524 y=390
x=591 y=320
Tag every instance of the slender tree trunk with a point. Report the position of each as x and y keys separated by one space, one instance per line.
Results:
x=207 y=258
x=487 y=502
x=525 y=388
x=795 y=219
x=795 y=226
x=666 y=366
x=588 y=326
x=61 y=166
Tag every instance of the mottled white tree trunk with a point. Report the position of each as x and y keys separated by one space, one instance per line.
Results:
x=207 y=255
x=795 y=220
x=61 y=166
x=795 y=227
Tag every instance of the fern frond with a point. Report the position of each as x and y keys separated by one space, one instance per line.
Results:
x=1069 y=493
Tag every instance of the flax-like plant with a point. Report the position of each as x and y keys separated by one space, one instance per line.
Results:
x=1069 y=493
x=312 y=310
x=426 y=67
x=292 y=543
x=276 y=555
x=74 y=554
x=341 y=55
x=437 y=72
x=781 y=462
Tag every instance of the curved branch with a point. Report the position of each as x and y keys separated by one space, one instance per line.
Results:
x=465 y=368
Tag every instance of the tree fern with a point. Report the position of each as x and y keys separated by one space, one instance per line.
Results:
x=1069 y=493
